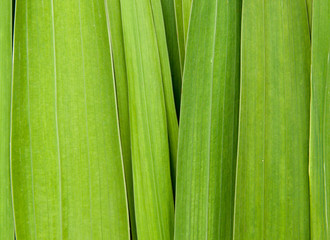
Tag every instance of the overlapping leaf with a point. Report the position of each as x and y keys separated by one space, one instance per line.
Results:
x=152 y=111
x=309 y=11
x=173 y=47
x=186 y=12
x=171 y=117
x=208 y=123
x=180 y=30
x=114 y=22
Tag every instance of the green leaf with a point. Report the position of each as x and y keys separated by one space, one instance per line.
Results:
x=186 y=11
x=172 y=121
x=180 y=30
x=310 y=11
x=149 y=86
x=68 y=180
x=319 y=154
x=272 y=199
x=6 y=214
x=114 y=22
x=209 y=123
x=173 y=49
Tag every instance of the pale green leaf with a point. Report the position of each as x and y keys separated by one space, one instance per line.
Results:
x=149 y=119
x=67 y=169
x=6 y=216
x=271 y=199
x=319 y=154
x=208 y=123
x=114 y=21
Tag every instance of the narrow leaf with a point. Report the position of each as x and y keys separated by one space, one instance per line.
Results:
x=114 y=21
x=6 y=215
x=209 y=123
x=272 y=200
x=172 y=121
x=319 y=154
x=186 y=9
x=310 y=12
x=180 y=30
x=153 y=198
x=68 y=180
x=173 y=49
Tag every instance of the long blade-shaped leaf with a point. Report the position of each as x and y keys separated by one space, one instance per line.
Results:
x=309 y=11
x=319 y=155
x=180 y=30
x=113 y=12
x=172 y=121
x=186 y=10
x=68 y=180
x=153 y=196
x=208 y=125
x=173 y=49
x=6 y=216
x=272 y=200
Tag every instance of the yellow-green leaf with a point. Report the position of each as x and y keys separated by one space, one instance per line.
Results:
x=149 y=107
x=6 y=215
x=186 y=12
x=310 y=12
x=67 y=169
x=208 y=123
x=272 y=199
x=319 y=151
x=161 y=50
x=114 y=22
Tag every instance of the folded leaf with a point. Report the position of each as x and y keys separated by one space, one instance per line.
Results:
x=6 y=214
x=149 y=117
x=271 y=199
x=319 y=154
x=208 y=123
x=68 y=179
